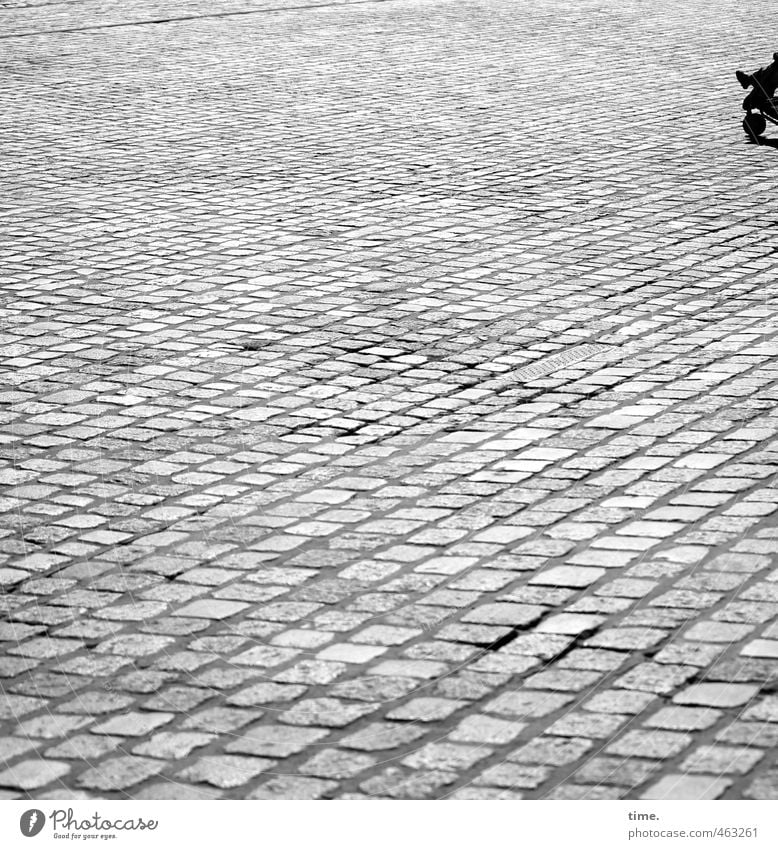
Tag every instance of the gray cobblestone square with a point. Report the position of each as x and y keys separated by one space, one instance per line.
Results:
x=388 y=402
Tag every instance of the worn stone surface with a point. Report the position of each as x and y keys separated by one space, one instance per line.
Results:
x=387 y=414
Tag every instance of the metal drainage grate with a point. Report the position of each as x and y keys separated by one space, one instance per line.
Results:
x=553 y=363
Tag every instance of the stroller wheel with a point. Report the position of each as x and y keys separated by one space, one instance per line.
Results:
x=754 y=125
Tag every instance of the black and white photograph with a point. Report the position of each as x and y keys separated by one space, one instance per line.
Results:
x=388 y=412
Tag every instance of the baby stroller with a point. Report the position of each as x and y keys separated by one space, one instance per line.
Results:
x=760 y=104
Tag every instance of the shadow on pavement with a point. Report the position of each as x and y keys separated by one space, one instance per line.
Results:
x=763 y=141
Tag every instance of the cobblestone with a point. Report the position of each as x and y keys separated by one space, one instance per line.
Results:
x=371 y=429
x=687 y=787
x=225 y=771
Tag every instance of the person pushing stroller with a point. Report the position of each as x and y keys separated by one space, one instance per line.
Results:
x=760 y=104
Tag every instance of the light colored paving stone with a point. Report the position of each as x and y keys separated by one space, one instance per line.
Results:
x=687 y=787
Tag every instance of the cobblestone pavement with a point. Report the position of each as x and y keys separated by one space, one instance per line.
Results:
x=389 y=401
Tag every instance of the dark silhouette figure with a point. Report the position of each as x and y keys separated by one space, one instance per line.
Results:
x=764 y=82
x=760 y=105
